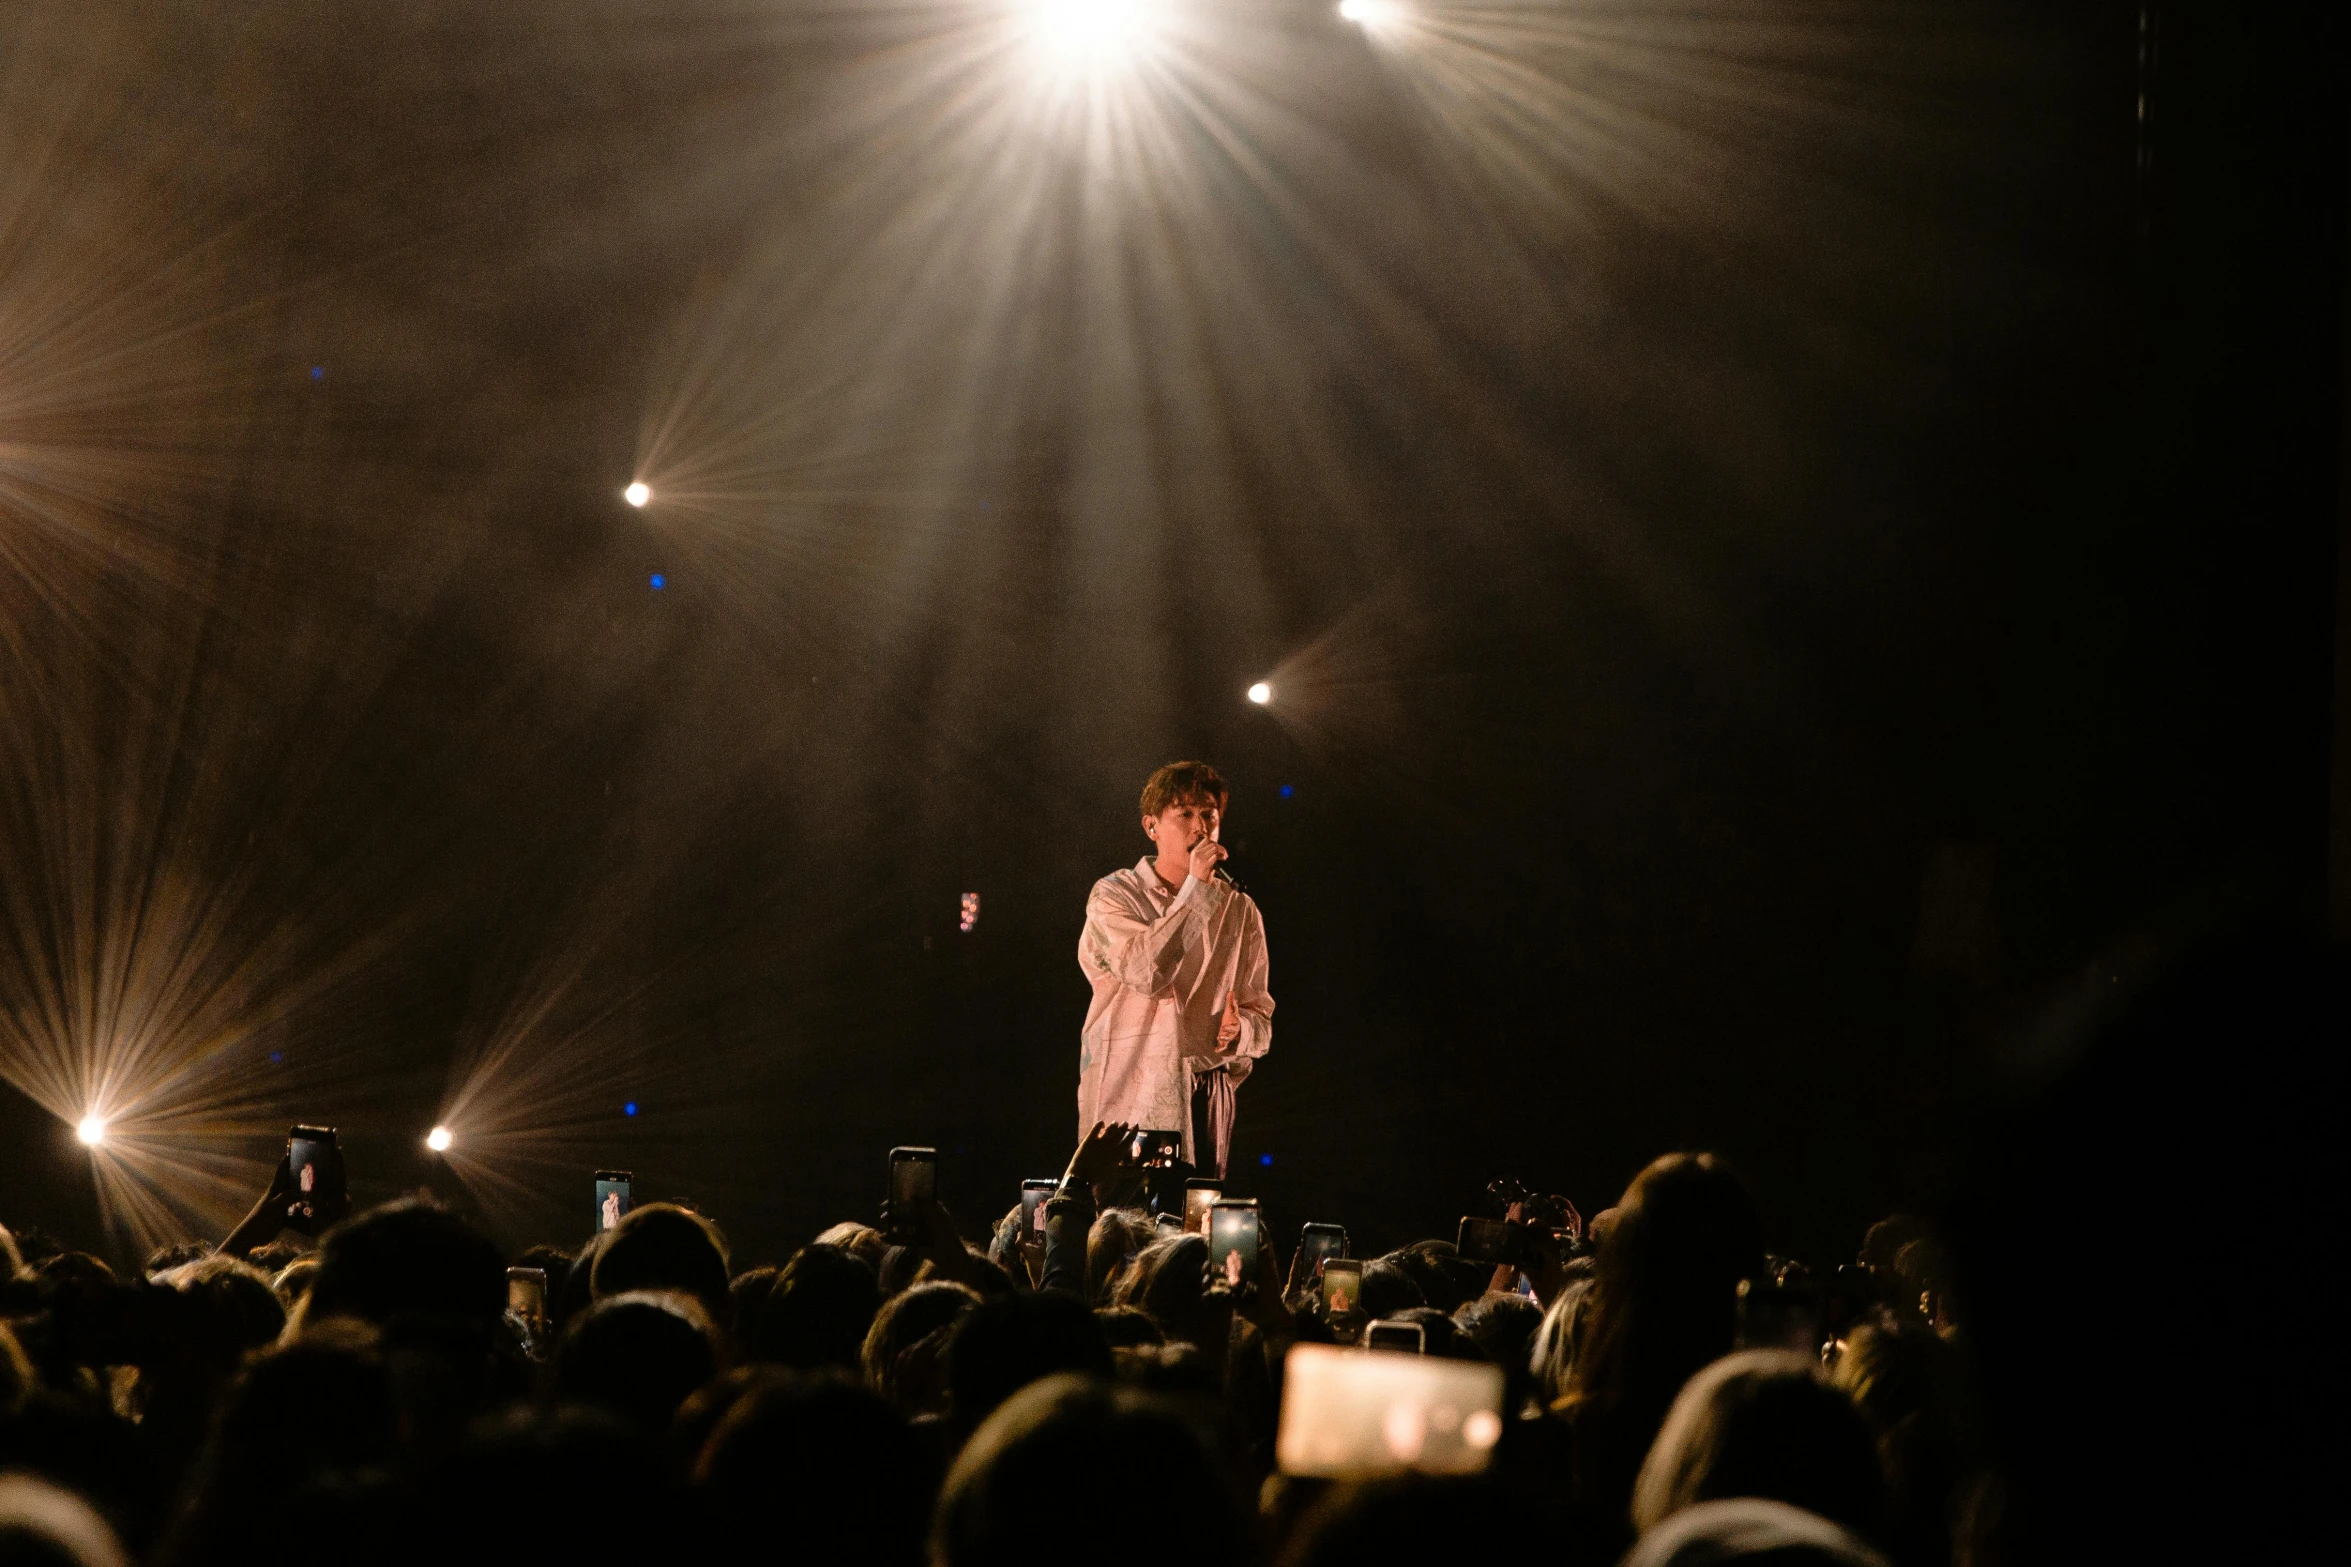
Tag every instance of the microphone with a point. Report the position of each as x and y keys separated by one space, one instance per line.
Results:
x=1220 y=873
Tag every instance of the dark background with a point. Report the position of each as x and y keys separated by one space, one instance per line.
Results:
x=1779 y=546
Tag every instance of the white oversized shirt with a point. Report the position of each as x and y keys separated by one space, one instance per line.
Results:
x=1162 y=965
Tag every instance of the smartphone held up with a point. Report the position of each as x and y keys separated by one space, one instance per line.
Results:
x=1034 y=1194
x=1235 y=1237
x=914 y=1191
x=1493 y=1241
x=1347 y=1415
x=1341 y=1285
x=615 y=1194
x=1156 y=1149
x=526 y=1293
x=1029 y=1238
x=1317 y=1245
x=1200 y=1196
x=314 y=1174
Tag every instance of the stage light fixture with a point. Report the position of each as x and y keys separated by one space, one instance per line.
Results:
x=1261 y=693
x=638 y=493
x=438 y=1139
x=92 y=1131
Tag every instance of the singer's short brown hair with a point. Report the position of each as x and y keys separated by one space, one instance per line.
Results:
x=1179 y=782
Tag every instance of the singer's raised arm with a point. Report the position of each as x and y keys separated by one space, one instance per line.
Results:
x=1126 y=941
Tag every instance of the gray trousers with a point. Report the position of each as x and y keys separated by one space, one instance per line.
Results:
x=1215 y=1100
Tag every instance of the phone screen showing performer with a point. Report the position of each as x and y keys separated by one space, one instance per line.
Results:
x=1341 y=1285
x=1199 y=1197
x=526 y=1293
x=615 y=1191
x=1234 y=1234
x=314 y=1166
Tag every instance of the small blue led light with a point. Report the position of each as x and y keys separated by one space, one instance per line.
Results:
x=630 y=1108
x=1265 y=1159
x=659 y=582
x=275 y=1056
x=1287 y=791
x=318 y=372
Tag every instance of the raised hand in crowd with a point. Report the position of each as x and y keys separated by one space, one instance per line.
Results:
x=1100 y=1154
x=311 y=1203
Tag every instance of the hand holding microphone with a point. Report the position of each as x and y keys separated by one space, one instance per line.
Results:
x=1206 y=854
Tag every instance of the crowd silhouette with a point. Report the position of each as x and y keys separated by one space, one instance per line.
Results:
x=1090 y=1380
x=386 y=1393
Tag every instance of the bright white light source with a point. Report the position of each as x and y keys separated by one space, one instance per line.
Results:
x=1091 y=32
x=438 y=1139
x=1261 y=693
x=92 y=1131
x=638 y=493
x=1372 y=14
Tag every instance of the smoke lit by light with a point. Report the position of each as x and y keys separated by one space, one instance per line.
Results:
x=1058 y=225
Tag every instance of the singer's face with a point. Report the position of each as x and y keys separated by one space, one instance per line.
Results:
x=1183 y=824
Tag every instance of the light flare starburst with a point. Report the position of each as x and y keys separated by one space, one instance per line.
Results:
x=1092 y=34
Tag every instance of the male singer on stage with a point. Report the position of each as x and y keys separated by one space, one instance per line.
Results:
x=1176 y=955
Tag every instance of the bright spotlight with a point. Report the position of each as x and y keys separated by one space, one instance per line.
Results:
x=1261 y=693
x=637 y=494
x=1372 y=14
x=438 y=1139
x=92 y=1131
x=1091 y=32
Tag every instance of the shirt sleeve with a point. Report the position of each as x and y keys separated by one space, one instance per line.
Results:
x=1141 y=953
x=1250 y=996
